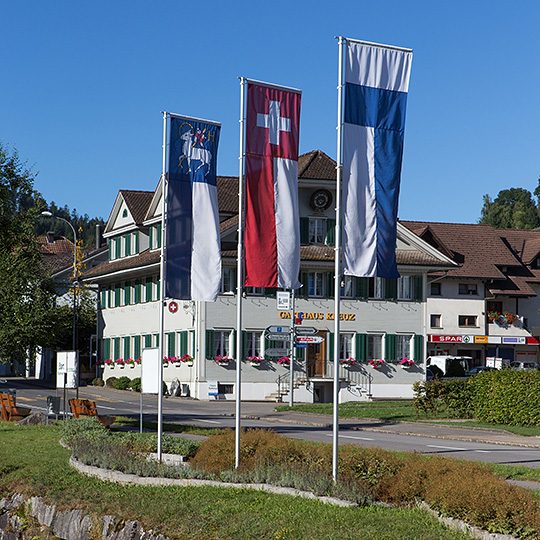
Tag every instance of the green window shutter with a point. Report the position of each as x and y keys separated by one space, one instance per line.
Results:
x=127 y=294
x=244 y=345
x=158 y=289
x=136 y=347
x=103 y=298
x=330 y=232
x=148 y=340
x=117 y=248
x=193 y=343
x=127 y=245
x=331 y=346
x=390 y=289
x=136 y=233
x=137 y=293
x=418 y=349
x=330 y=285
x=303 y=291
x=390 y=348
x=171 y=344
x=148 y=290
x=109 y=242
x=418 y=293
x=116 y=348
x=117 y=291
x=158 y=239
x=270 y=292
x=304 y=230
x=183 y=343
x=127 y=348
x=362 y=288
x=300 y=354
x=209 y=344
x=106 y=349
x=361 y=348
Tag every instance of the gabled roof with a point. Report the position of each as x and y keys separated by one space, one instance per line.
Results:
x=136 y=203
x=316 y=165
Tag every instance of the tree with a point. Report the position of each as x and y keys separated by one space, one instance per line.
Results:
x=26 y=292
x=512 y=209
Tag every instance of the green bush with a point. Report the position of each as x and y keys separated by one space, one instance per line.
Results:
x=86 y=427
x=98 y=381
x=122 y=383
x=109 y=383
x=136 y=384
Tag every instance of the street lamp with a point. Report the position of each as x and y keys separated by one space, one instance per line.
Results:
x=49 y=214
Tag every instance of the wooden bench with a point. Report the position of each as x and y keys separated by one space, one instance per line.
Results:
x=85 y=407
x=10 y=411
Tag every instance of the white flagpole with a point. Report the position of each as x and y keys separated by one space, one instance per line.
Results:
x=162 y=284
x=337 y=266
x=239 y=271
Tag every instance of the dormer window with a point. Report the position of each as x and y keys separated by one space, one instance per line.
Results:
x=125 y=213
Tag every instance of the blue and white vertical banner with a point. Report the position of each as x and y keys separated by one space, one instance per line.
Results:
x=192 y=240
x=374 y=101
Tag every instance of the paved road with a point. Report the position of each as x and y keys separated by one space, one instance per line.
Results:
x=427 y=438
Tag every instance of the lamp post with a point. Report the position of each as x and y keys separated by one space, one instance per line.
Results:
x=49 y=214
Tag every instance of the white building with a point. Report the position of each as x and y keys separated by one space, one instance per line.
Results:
x=381 y=318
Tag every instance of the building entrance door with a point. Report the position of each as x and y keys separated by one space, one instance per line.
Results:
x=316 y=358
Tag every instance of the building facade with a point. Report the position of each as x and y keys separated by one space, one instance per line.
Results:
x=381 y=319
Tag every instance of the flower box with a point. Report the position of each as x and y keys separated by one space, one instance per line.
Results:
x=376 y=364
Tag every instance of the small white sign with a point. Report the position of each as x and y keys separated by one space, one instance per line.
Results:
x=213 y=388
x=283 y=300
x=150 y=371
x=67 y=363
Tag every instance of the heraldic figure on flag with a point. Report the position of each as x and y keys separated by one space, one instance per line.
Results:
x=193 y=253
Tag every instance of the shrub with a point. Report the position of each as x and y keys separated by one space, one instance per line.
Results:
x=122 y=383
x=136 y=384
x=98 y=381
x=86 y=427
x=109 y=383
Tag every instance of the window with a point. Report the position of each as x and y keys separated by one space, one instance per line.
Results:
x=467 y=320
x=468 y=288
x=436 y=289
x=222 y=345
x=345 y=346
x=127 y=348
x=347 y=287
x=148 y=340
x=317 y=231
x=376 y=288
x=103 y=298
x=405 y=288
x=253 y=344
x=374 y=346
x=435 y=321
x=228 y=285
x=254 y=291
x=316 y=284
x=155 y=236
x=404 y=346
x=136 y=347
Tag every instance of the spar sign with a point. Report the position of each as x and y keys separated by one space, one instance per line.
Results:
x=450 y=339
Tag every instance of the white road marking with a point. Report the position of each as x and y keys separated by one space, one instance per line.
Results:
x=351 y=437
x=444 y=447
x=209 y=421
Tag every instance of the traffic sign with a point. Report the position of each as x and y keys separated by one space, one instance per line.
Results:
x=278 y=337
x=276 y=352
x=309 y=339
x=305 y=330
x=278 y=329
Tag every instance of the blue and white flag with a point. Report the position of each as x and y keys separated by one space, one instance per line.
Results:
x=193 y=251
x=375 y=95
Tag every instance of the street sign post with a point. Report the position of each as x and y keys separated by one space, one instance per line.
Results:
x=278 y=329
x=306 y=331
x=278 y=337
x=309 y=339
x=276 y=353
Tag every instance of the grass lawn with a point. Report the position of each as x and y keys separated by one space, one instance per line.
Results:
x=400 y=411
x=32 y=462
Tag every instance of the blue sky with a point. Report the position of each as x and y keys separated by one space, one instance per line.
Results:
x=84 y=84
